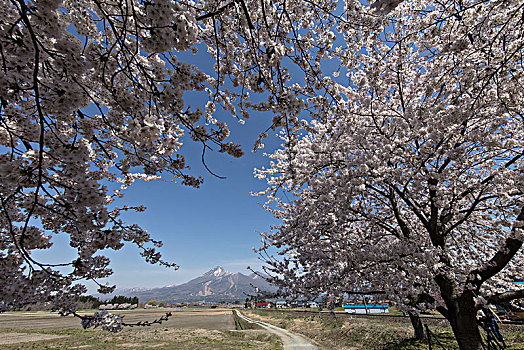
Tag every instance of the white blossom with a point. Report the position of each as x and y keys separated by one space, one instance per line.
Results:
x=92 y=95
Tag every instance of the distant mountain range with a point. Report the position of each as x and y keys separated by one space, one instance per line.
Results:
x=214 y=286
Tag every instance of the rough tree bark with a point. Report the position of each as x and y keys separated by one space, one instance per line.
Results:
x=416 y=322
x=462 y=315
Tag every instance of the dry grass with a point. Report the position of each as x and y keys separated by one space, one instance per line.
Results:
x=191 y=331
x=149 y=339
x=362 y=333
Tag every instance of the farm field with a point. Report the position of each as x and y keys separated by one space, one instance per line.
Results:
x=351 y=332
x=215 y=329
x=220 y=319
x=193 y=329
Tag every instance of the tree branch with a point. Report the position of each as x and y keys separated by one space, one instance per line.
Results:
x=501 y=258
x=506 y=296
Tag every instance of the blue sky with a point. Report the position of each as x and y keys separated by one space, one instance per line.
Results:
x=217 y=224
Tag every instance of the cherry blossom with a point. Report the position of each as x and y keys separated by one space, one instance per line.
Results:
x=401 y=165
x=92 y=98
x=401 y=123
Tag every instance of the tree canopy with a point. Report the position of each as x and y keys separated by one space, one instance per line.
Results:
x=406 y=176
x=401 y=123
x=92 y=98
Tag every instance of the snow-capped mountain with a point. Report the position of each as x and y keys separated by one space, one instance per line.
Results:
x=217 y=272
x=215 y=285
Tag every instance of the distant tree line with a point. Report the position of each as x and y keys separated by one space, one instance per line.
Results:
x=119 y=299
x=95 y=302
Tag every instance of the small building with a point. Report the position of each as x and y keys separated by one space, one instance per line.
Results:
x=281 y=304
x=263 y=304
x=363 y=309
x=298 y=303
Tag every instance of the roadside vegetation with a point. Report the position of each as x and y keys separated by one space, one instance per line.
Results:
x=365 y=333
x=241 y=325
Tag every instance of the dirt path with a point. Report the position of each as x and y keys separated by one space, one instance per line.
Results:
x=290 y=340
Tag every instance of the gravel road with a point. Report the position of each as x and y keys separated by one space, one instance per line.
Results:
x=290 y=340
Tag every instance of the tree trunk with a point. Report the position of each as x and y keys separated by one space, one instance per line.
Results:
x=417 y=325
x=463 y=319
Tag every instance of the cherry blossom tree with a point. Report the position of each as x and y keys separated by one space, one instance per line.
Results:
x=404 y=175
x=92 y=98
x=401 y=123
